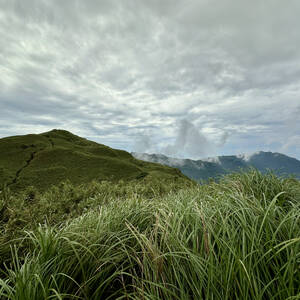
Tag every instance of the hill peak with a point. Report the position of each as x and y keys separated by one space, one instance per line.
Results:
x=61 y=131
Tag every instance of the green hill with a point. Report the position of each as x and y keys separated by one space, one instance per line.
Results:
x=43 y=160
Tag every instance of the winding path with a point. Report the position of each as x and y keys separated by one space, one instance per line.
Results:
x=28 y=161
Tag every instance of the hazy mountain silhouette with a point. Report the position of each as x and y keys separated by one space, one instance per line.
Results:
x=281 y=164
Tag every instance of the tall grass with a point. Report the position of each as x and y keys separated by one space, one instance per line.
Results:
x=236 y=239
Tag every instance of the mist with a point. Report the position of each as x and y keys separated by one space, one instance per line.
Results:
x=190 y=142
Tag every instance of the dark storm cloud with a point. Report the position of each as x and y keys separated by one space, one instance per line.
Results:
x=116 y=71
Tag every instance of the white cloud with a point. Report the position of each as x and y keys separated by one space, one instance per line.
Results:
x=117 y=70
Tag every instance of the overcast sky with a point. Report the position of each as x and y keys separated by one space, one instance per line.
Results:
x=191 y=78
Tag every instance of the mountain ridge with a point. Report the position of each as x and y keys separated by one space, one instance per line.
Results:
x=213 y=167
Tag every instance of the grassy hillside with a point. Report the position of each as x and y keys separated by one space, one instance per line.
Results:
x=235 y=239
x=42 y=160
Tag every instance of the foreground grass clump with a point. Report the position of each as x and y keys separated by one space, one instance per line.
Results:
x=27 y=209
x=236 y=239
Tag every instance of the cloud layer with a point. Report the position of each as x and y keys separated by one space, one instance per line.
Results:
x=124 y=73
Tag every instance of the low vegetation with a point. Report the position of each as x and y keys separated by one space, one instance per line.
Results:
x=238 y=238
x=43 y=160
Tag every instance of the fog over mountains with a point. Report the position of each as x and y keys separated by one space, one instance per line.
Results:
x=203 y=169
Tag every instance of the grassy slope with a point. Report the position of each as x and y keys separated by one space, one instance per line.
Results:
x=236 y=239
x=42 y=160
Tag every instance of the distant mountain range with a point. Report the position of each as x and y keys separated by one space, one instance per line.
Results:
x=213 y=167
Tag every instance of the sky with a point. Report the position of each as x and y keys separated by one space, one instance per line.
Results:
x=192 y=78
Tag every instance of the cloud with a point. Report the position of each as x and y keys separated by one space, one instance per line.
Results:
x=189 y=142
x=144 y=143
x=116 y=71
x=292 y=142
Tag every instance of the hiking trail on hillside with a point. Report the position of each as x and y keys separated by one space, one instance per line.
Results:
x=28 y=162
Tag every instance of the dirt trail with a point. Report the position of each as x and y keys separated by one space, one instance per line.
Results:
x=51 y=142
x=28 y=161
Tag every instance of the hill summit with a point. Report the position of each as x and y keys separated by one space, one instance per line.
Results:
x=45 y=159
